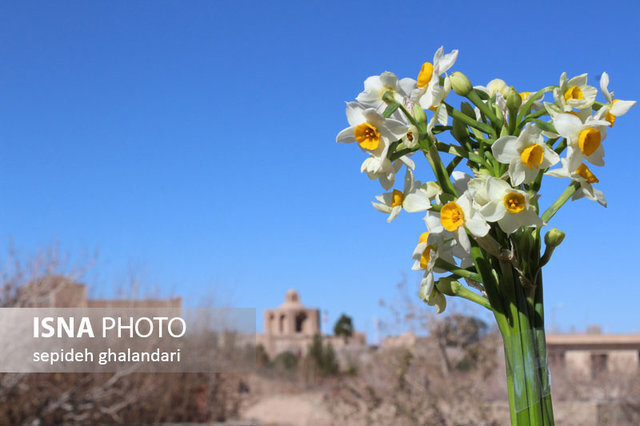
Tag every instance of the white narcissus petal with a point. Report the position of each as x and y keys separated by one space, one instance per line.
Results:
x=395 y=211
x=604 y=86
x=407 y=162
x=518 y=172
x=347 y=135
x=408 y=181
x=579 y=80
x=550 y=157
x=382 y=207
x=477 y=226
x=463 y=239
x=416 y=201
x=504 y=149
x=567 y=125
x=460 y=180
x=432 y=220
x=407 y=85
x=447 y=61
x=621 y=107
x=493 y=211
x=530 y=218
x=354 y=113
x=396 y=129
x=426 y=285
x=509 y=223
x=597 y=157
x=438 y=300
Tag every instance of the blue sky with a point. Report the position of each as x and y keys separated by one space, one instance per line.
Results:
x=194 y=142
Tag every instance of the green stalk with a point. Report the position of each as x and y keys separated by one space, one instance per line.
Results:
x=553 y=209
x=458 y=271
x=470 y=121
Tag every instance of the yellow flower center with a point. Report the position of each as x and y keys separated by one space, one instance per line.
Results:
x=589 y=140
x=451 y=216
x=573 y=92
x=367 y=136
x=524 y=96
x=610 y=117
x=514 y=202
x=426 y=254
x=584 y=171
x=532 y=156
x=424 y=77
x=397 y=198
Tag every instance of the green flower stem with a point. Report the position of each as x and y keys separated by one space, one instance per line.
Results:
x=408 y=115
x=470 y=121
x=531 y=117
x=453 y=164
x=553 y=209
x=438 y=168
x=472 y=296
x=458 y=271
x=485 y=109
x=561 y=146
x=527 y=105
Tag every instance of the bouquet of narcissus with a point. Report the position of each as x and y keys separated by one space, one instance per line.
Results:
x=482 y=240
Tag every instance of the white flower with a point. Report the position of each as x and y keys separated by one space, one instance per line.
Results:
x=507 y=206
x=584 y=177
x=495 y=86
x=455 y=218
x=376 y=86
x=614 y=107
x=431 y=246
x=584 y=140
x=574 y=93
x=415 y=198
x=374 y=134
x=384 y=170
x=427 y=89
x=526 y=154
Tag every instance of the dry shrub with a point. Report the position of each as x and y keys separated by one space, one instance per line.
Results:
x=123 y=397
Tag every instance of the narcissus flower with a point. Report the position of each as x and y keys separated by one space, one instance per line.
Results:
x=414 y=198
x=574 y=93
x=455 y=218
x=431 y=246
x=427 y=89
x=526 y=154
x=614 y=107
x=507 y=206
x=369 y=129
x=584 y=177
x=376 y=86
x=584 y=139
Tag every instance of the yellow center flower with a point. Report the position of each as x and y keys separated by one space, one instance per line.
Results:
x=451 y=216
x=573 y=92
x=589 y=140
x=610 y=117
x=424 y=77
x=584 y=171
x=397 y=198
x=532 y=156
x=514 y=202
x=367 y=136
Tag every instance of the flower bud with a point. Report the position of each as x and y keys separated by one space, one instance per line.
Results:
x=419 y=114
x=554 y=237
x=460 y=83
x=448 y=286
x=513 y=100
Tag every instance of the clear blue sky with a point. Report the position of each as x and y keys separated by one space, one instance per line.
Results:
x=195 y=140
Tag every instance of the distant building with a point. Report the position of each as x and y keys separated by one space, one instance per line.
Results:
x=57 y=291
x=291 y=327
x=591 y=354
